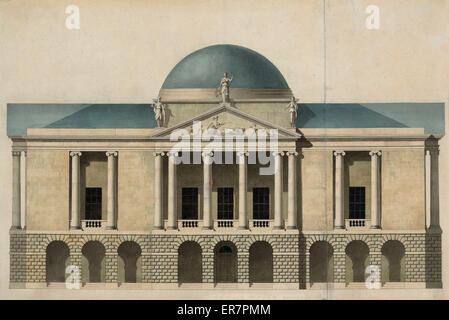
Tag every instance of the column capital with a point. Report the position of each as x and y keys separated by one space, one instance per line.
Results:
x=339 y=153
x=207 y=154
x=278 y=153
x=16 y=153
x=172 y=153
x=75 y=153
x=160 y=153
x=111 y=153
x=375 y=153
x=292 y=153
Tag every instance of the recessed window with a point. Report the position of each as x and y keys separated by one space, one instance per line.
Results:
x=357 y=203
x=189 y=203
x=225 y=203
x=261 y=203
x=93 y=204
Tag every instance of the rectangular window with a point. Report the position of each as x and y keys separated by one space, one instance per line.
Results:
x=189 y=203
x=225 y=203
x=357 y=203
x=93 y=204
x=261 y=203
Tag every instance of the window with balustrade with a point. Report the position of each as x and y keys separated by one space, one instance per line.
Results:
x=225 y=203
x=261 y=203
x=93 y=204
x=189 y=203
x=357 y=202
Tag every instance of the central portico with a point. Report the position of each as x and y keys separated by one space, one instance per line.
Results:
x=205 y=161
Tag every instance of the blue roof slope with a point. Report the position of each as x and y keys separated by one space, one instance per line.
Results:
x=205 y=67
x=429 y=116
x=78 y=116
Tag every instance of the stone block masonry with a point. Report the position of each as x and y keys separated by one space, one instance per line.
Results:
x=159 y=254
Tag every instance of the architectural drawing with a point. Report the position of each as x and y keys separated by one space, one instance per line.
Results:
x=111 y=201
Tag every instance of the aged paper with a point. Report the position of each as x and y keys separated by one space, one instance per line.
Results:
x=80 y=82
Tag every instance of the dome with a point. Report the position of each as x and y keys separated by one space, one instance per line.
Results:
x=204 y=68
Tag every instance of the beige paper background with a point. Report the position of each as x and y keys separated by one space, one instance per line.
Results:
x=125 y=49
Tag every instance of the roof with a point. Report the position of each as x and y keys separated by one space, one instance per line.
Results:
x=429 y=116
x=205 y=67
x=20 y=117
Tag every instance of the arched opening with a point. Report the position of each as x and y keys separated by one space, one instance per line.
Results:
x=393 y=269
x=57 y=259
x=225 y=254
x=190 y=263
x=93 y=269
x=129 y=262
x=357 y=256
x=260 y=262
x=321 y=262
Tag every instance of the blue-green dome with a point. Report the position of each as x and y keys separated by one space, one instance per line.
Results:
x=204 y=69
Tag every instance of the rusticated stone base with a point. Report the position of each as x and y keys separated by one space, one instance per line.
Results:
x=159 y=255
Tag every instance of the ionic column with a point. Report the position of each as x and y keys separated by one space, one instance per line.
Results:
x=375 y=199
x=75 y=222
x=292 y=191
x=158 y=214
x=16 y=199
x=243 y=185
x=172 y=205
x=207 y=191
x=339 y=194
x=278 y=184
x=112 y=187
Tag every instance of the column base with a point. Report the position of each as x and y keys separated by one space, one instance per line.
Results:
x=111 y=228
x=339 y=228
x=172 y=228
x=292 y=227
x=158 y=228
x=15 y=228
x=277 y=228
x=375 y=227
x=207 y=228
x=75 y=228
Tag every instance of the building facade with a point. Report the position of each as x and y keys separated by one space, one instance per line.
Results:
x=225 y=181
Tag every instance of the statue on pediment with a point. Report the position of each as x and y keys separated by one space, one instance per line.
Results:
x=224 y=87
x=215 y=124
x=292 y=108
x=159 y=112
x=258 y=130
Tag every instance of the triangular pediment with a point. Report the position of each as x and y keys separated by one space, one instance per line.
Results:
x=226 y=117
